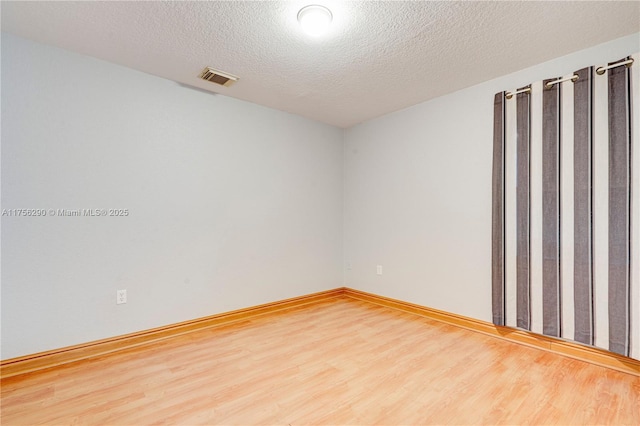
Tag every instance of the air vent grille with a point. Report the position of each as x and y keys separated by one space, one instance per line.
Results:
x=218 y=77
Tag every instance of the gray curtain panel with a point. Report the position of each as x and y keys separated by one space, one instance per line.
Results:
x=565 y=212
x=582 y=200
x=619 y=208
x=522 y=209
x=497 y=246
x=551 y=208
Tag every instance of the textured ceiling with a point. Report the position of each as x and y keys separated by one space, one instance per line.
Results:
x=378 y=57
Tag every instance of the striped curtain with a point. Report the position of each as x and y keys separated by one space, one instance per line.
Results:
x=566 y=207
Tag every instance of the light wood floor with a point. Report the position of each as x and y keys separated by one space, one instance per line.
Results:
x=337 y=362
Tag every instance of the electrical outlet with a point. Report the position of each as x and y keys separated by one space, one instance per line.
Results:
x=121 y=297
x=379 y=269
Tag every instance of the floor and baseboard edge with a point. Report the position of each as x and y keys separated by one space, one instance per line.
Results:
x=43 y=360
x=589 y=354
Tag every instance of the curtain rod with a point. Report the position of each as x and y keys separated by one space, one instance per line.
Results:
x=627 y=62
x=509 y=95
x=574 y=77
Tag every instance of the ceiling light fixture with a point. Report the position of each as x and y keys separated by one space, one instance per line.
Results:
x=315 y=19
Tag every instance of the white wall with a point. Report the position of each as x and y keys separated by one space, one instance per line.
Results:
x=418 y=192
x=231 y=204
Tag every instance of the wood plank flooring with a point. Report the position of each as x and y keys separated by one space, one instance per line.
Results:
x=340 y=361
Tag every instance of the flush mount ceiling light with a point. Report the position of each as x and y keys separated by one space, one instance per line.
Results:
x=315 y=19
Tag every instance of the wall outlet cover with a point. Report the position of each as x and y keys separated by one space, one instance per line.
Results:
x=121 y=297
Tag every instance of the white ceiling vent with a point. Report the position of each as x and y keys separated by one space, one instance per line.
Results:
x=218 y=77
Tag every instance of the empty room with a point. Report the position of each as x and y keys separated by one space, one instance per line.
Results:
x=322 y=213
